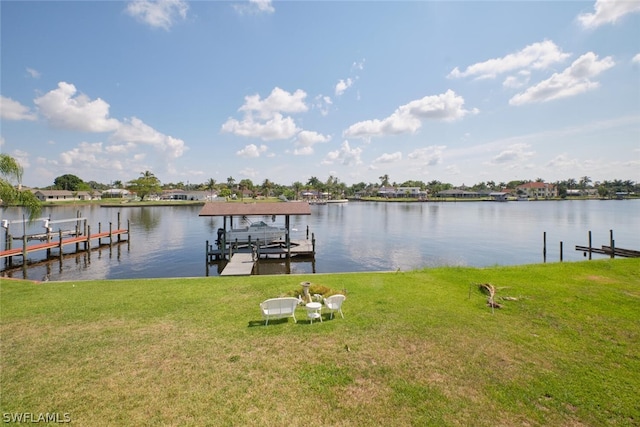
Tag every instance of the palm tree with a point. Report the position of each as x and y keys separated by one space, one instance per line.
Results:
x=11 y=194
x=267 y=186
x=584 y=182
x=297 y=186
x=211 y=185
x=384 y=180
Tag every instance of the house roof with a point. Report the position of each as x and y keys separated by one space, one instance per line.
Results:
x=535 y=185
x=275 y=208
x=53 y=192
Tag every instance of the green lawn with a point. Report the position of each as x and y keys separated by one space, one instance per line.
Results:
x=415 y=348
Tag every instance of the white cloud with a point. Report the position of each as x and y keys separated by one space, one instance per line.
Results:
x=323 y=103
x=278 y=101
x=520 y=79
x=636 y=59
x=537 y=56
x=278 y=127
x=514 y=154
x=608 y=12
x=305 y=140
x=389 y=158
x=408 y=118
x=430 y=156
x=22 y=157
x=65 y=111
x=254 y=7
x=85 y=153
x=345 y=154
x=13 y=110
x=343 y=85
x=562 y=161
x=252 y=150
x=572 y=81
x=158 y=14
x=33 y=73
x=137 y=132
x=263 y=117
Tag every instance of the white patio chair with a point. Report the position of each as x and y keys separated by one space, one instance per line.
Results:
x=334 y=303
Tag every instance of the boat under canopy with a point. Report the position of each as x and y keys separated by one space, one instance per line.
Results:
x=231 y=209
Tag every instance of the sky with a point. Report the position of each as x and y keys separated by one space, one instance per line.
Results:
x=459 y=92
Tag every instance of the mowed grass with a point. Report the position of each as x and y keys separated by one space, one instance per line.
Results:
x=414 y=348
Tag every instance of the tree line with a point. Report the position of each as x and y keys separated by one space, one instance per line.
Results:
x=148 y=184
x=12 y=193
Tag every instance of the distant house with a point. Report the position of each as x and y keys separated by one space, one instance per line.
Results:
x=538 y=190
x=186 y=195
x=54 y=195
x=115 y=193
x=458 y=193
x=50 y=195
x=413 y=192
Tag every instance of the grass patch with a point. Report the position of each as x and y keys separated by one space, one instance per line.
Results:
x=414 y=348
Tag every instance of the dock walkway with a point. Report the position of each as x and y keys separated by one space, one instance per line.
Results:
x=61 y=243
x=241 y=264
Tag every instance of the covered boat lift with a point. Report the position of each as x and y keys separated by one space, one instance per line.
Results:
x=231 y=209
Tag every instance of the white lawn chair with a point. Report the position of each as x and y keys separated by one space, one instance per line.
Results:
x=334 y=303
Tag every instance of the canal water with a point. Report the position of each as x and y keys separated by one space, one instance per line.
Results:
x=169 y=241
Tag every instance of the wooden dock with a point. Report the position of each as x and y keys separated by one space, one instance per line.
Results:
x=606 y=250
x=59 y=244
x=277 y=249
x=241 y=264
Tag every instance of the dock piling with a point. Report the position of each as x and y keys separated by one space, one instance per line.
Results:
x=612 y=244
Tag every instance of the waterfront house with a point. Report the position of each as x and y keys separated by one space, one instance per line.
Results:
x=55 y=195
x=538 y=190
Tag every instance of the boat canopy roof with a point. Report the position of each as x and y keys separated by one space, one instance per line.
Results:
x=267 y=208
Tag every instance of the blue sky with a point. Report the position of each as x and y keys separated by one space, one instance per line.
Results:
x=460 y=92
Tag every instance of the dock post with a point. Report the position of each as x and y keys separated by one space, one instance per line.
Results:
x=24 y=248
x=589 y=244
x=612 y=243
x=110 y=233
x=307 y=231
x=128 y=235
x=60 y=243
x=77 y=234
x=87 y=243
x=48 y=241
x=560 y=250
x=206 y=259
x=544 y=246
x=7 y=245
x=118 y=227
x=313 y=243
x=99 y=231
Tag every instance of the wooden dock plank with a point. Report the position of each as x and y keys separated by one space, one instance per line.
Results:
x=241 y=264
x=56 y=243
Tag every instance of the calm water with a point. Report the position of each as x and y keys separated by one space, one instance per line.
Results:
x=357 y=236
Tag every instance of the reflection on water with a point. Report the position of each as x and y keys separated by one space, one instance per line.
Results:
x=357 y=236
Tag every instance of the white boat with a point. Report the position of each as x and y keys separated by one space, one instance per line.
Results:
x=256 y=231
